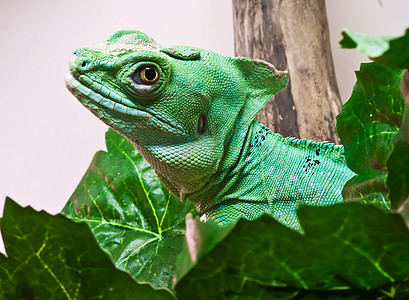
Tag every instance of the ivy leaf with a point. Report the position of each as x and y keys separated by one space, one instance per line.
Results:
x=367 y=187
x=52 y=257
x=389 y=51
x=348 y=251
x=398 y=177
x=393 y=150
x=398 y=163
x=132 y=215
x=369 y=45
x=201 y=238
x=367 y=124
x=371 y=117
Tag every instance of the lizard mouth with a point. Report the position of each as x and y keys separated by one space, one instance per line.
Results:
x=84 y=89
x=100 y=99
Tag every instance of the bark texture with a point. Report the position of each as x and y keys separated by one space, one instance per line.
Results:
x=292 y=35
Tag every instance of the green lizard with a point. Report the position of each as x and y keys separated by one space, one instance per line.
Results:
x=190 y=113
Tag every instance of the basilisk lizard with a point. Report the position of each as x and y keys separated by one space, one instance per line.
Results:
x=190 y=113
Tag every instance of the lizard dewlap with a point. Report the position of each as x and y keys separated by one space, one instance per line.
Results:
x=190 y=113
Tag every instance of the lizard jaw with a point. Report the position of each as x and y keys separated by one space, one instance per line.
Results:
x=104 y=101
x=101 y=101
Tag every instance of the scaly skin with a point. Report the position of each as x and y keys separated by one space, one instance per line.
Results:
x=190 y=113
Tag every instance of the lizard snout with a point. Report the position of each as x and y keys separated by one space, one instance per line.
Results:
x=80 y=62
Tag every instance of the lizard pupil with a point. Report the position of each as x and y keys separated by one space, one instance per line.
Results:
x=146 y=75
x=150 y=74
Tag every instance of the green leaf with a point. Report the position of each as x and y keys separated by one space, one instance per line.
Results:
x=389 y=51
x=367 y=187
x=132 y=215
x=393 y=148
x=51 y=257
x=398 y=162
x=348 y=251
x=367 y=125
x=371 y=117
x=201 y=238
x=398 y=177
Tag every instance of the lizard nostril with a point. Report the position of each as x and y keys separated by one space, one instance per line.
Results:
x=83 y=64
x=81 y=60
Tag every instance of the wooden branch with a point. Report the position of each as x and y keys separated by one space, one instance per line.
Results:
x=292 y=35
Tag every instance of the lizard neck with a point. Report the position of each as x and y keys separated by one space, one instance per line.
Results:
x=274 y=175
x=231 y=176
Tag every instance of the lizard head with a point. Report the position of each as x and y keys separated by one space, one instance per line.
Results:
x=186 y=110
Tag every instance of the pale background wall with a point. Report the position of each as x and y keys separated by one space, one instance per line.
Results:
x=47 y=139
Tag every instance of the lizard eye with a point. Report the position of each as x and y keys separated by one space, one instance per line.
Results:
x=146 y=75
